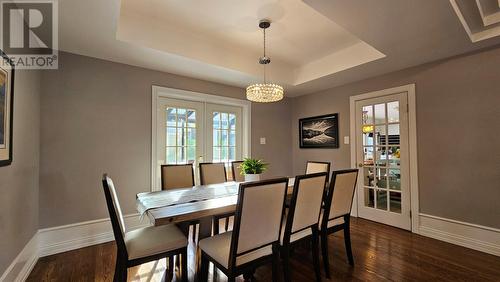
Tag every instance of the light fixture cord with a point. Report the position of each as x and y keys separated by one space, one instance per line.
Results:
x=264 y=54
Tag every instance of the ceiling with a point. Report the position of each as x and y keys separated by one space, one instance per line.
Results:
x=313 y=44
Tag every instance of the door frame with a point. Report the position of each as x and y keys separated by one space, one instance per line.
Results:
x=412 y=143
x=165 y=92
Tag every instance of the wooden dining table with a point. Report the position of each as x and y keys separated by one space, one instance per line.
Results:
x=198 y=203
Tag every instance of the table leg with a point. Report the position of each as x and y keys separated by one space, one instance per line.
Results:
x=204 y=231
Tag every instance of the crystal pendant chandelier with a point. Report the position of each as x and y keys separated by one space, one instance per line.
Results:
x=264 y=92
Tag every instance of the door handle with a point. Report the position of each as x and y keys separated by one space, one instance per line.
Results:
x=360 y=165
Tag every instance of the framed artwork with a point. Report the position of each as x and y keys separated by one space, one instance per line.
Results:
x=6 y=108
x=319 y=132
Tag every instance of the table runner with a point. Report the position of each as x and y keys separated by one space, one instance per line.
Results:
x=152 y=200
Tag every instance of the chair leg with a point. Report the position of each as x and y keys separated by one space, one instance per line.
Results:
x=285 y=262
x=324 y=250
x=226 y=226
x=347 y=240
x=215 y=225
x=204 y=268
x=275 y=263
x=315 y=254
x=171 y=265
x=184 y=266
x=195 y=229
x=120 y=270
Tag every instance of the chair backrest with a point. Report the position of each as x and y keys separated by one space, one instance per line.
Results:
x=115 y=212
x=259 y=212
x=177 y=176
x=341 y=193
x=211 y=173
x=305 y=205
x=236 y=171
x=315 y=167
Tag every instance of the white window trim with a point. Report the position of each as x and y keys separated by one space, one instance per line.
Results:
x=164 y=92
x=412 y=131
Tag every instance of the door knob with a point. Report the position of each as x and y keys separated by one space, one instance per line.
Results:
x=360 y=165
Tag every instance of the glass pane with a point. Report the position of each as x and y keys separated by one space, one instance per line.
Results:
x=171 y=137
x=380 y=113
x=181 y=136
x=368 y=156
x=380 y=133
x=191 y=136
x=191 y=118
x=171 y=155
x=224 y=138
x=216 y=120
x=369 y=198
x=368 y=114
x=171 y=116
x=368 y=176
x=394 y=178
x=380 y=156
x=181 y=117
x=181 y=155
x=232 y=138
x=216 y=138
x=394 y=156
x=191 y=153
x=381 y=177
x=367 y=135
x=381 y=199
x=216 y=154
x=232 y=153
x=232 y=122
x=224 y=154
x=393 y=136
x=393 y=111
x=224 y=121
x=395 y=202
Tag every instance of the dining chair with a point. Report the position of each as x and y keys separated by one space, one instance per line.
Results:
x=301 y=222
x=236 y=171
x=144 y=244
x=177 y=176
x=335 y=215
x=254 y=240
x=315 y=167
x=212 y=173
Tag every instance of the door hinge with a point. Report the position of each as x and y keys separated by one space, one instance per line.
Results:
x=410 y=213
x=407 y=108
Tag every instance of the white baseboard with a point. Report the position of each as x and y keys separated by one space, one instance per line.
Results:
x=473 y=236
x=22 y=265
x=83 y=234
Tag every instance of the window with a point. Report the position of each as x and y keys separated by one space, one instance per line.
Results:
x=224 y=137
x=180 y=135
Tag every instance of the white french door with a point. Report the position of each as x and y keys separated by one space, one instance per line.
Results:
x=194 y=132
x=382 y=154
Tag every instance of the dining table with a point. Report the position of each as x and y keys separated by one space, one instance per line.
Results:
x=200 y=203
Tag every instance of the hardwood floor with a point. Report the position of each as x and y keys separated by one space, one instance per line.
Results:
x=380 y=253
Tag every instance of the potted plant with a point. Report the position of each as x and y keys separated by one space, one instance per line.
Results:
x=252 y=168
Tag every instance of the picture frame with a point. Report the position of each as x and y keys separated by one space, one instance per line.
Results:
x=6 y=109
x=319 y=131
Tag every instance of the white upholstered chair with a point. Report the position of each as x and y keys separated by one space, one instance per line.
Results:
x=254 y=240
x=212 y=173
x=177 y=176
x=302 y=218
x=336 y=212
x=315 y=167
x=144 y=244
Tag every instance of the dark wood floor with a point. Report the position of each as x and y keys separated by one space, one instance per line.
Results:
x=380 y=253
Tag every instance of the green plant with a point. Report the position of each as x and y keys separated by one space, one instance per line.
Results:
x=252 y=166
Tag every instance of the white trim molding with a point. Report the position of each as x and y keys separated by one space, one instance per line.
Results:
x=22 y=265
x=159 y=91
x=478 y=237
x=83 y=234
x=412 y=132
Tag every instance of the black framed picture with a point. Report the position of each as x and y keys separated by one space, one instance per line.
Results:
x=6 y=109
x=319 y=131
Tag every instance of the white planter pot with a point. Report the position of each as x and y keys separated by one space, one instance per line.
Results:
x=252 y=177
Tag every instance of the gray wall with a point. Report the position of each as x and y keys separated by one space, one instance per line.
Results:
x=458 y=124
x=19 y=181
x=96 y=117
